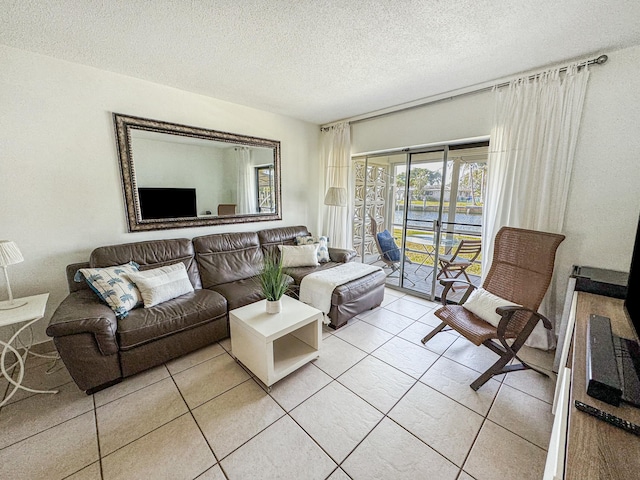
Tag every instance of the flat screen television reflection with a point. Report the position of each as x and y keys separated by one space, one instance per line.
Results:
x=158 y=203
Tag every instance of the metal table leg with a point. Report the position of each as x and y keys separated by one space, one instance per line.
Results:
x=20 y=363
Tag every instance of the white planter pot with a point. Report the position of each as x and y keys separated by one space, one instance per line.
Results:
x=274 y=307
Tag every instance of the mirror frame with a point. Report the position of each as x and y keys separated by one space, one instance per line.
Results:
x=123 y=126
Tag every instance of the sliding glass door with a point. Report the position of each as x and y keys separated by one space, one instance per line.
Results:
x=430 y=202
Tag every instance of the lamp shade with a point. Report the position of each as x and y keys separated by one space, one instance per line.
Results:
x=336 y=196
x=9 y=253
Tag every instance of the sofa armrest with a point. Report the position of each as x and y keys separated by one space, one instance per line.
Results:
x=342 y=255
x=82 y=312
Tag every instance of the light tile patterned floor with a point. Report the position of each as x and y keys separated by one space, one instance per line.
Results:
x=377 y=404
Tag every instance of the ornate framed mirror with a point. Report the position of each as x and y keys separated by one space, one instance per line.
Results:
x=177 y=176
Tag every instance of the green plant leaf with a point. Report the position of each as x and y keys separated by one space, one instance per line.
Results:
x=273 y=280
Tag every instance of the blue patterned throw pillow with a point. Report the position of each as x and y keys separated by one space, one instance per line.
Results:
x=323 y=249
x=113 y=286
x=323 y=246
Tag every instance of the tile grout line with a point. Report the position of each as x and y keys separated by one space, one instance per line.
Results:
x=95 y=418
x=485 y=418
x=132 y=391
x=190 y=412
x=99 y=461
x=407 y=430
x=385 y=415
x=255 y=381
x=288 y=413
x=367 y=354
x=505 y=428
x=13 y=402
x=44 y=429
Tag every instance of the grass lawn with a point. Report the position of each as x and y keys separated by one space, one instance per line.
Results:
x=419 y=258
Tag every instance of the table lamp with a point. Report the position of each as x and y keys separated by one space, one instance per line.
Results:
x=9 y=255
x=336 y=196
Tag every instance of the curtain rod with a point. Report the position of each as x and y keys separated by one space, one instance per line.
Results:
x=368 y=116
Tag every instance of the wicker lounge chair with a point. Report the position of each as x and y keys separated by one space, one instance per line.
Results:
x=520 y=273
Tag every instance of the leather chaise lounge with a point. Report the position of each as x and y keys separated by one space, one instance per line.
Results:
x=100 y=350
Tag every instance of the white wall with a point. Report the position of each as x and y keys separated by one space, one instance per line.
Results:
x=180 y=165
x=60 y=188
x=604 y=197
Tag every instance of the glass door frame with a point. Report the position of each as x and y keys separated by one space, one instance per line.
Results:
x=437 y=223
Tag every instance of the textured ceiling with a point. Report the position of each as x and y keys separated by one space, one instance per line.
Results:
x=319 y=60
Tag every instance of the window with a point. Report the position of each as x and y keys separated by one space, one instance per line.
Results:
x=265 y=194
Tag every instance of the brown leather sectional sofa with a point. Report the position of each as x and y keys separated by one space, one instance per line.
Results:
x=100 y=350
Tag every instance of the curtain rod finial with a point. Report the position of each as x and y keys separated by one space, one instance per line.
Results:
x=602 y=59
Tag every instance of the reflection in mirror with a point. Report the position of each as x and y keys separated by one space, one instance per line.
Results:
x=177 y=176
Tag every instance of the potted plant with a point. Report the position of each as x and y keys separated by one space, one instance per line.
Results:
x=274 y=283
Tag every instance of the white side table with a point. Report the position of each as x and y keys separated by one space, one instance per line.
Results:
x=29 y=313
x=274 y=345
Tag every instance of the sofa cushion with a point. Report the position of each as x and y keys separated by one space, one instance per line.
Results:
x=272 y=237
x=228 y=257
x=240 y=292
x=150 y=254
x=144 y=325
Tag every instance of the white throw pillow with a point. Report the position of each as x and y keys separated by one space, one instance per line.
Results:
x=162 y=284
x=321 y=242
x=484 y=304
x=299 y=256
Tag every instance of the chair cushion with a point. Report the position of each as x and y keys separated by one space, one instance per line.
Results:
x=483 y=304
x=457 y=261
x=467 y=324
x=389 y=248
x=144 y=325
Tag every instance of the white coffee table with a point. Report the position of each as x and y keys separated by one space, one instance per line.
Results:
x=274 y=345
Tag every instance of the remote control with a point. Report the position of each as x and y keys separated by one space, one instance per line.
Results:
x=607 y=417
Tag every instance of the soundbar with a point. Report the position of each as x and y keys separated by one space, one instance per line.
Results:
x=603 y=379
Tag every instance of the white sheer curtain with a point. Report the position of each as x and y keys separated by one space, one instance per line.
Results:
x=530 y=160
x=246 y=193
x=335 y=158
